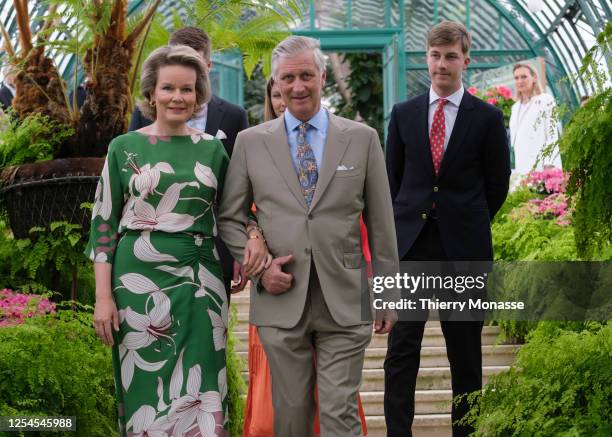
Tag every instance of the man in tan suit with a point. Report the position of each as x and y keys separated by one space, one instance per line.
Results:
x=311 y=175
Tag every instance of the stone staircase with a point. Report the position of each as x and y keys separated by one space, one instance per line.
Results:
x=433 y=396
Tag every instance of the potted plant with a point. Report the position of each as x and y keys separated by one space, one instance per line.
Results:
x=42 y=192
x=38 y=193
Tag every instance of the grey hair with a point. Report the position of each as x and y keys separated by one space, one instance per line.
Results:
x=172 y=55
x=292 y=45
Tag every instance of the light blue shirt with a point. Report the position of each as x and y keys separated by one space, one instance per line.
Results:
x=315 y=135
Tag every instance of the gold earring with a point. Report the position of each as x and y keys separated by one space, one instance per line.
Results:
x=152 y=103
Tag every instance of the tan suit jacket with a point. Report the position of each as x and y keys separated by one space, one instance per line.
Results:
x=352 y=180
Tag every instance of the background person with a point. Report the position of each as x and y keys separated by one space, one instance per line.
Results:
x=532 y=122
x=449 y=166
x=160 y=300
x=7 y=90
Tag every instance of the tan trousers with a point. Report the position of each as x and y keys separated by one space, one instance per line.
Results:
x=339 y=362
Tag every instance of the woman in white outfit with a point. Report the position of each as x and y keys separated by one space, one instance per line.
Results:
x=532 y=124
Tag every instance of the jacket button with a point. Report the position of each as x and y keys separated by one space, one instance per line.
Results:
x=435 y=189
x=310 y=216
x=424 y=216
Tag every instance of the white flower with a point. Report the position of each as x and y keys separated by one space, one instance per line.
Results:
x=129 y=359
x=143 y=423
x=104 y=206
x=210 y=281
x=196 y=408
x=186 y=271
x=220 y=135
x=219 y=325
x=137 y=283
x=222 y=381
x=146 y=178
x=149 y=327
x=144 y=250
x=161 y=218
x=205 y=175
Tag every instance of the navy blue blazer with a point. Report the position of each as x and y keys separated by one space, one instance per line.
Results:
x=472 y=183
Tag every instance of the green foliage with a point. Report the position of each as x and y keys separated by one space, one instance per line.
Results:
x=561 y=385
x=585 y=147
x=366 y=83
x=524 y=237
x=254 y=96
x=236 y=387
x=56 y=365
x=527 y=238
x=35 y=138
x=48 y=257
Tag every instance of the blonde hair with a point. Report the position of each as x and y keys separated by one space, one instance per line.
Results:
x=172 y=55
x=448 y=33
x=269 y=113
x=537 y=88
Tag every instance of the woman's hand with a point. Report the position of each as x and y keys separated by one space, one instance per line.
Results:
x=106 y=318
x=256 y=254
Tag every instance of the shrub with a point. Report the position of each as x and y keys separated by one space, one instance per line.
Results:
x=560 y=385
x=56 y=366
x=236 y=387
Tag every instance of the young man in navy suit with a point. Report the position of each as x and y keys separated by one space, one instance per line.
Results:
x=449 y=168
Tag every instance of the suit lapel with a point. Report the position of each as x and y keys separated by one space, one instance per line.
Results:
x=462 y=123
x=214 y=116
x=278 y=145
x=335 y=145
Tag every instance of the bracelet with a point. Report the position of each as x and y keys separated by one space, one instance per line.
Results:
x=253 y=237
x=255 y=227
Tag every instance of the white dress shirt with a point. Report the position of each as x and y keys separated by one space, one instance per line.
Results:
x=198 y=121
x=450 y=111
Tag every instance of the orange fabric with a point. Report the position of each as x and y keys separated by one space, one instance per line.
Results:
x=259 y=414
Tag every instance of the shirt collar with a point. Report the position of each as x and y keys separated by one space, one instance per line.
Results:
x=454 y=98
x=319 y=121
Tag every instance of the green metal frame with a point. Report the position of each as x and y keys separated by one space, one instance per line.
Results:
x=388 y=41
x=552 y=34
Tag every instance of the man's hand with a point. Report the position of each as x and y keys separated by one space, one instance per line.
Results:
x=240 y=278
x=385 y=319
x=274 y=280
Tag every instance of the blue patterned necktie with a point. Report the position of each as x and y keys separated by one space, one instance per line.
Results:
x=308 y=173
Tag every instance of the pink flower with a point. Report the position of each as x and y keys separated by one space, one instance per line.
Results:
x=492 y=100
x=490 y=93
x=504 y=91
x=16 y=307
x=472 y=90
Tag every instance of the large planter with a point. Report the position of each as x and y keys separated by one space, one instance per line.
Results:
x=41 y=193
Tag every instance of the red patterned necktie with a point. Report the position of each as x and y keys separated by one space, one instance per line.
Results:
x=437 y=135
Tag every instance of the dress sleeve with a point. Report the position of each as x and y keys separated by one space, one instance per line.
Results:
x=108 y=205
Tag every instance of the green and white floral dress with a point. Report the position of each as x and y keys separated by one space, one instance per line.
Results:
x=153 y=221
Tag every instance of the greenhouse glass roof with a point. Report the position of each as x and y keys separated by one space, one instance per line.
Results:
x=504 y=31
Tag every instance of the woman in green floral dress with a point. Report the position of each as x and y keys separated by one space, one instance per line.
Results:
x=160 y=299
